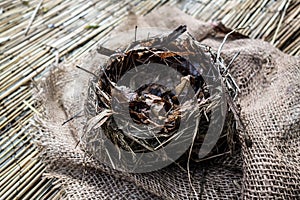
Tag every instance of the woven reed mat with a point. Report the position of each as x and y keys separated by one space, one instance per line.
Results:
x=267 y=167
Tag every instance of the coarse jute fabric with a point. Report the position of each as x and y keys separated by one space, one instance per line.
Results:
x=267 y=166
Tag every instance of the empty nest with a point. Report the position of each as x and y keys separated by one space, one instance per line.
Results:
x=143 y=122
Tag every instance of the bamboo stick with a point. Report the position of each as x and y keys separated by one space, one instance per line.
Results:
x=13 y=144
x=9 y=188
x=12 y=154
x=25 y=182
x=7 y=180
x=286 y=5
x=13 y=101
x=42 y=190
x=12 y=115
x=6 y=142
x=33 y=16
x=14 y=163
x=35 y=188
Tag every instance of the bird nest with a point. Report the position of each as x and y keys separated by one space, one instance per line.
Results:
x=158 y=101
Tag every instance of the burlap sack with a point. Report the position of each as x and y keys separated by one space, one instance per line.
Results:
x=267 y=167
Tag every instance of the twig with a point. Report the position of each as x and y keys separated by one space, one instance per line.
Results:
x=230 y=63
x=135 y=32
x=287 y=2
x=189 y=157
x=33 y=16
x=225 y=38
x=87 y=71
x=104 y=51
x=71 y=118
x=215 y=156
x=176 y=33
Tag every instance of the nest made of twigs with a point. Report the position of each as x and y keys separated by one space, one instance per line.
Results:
x=154 y=104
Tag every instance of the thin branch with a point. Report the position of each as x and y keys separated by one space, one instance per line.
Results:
x=287 y=2
x=33 y=16
x=104 y=51
x=135 y=33
x=87 y=71
x=230 y=63
x=225 y=38
x=189 y=158
x=73 y=117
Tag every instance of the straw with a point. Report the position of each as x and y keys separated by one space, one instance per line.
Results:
x=33 y=16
